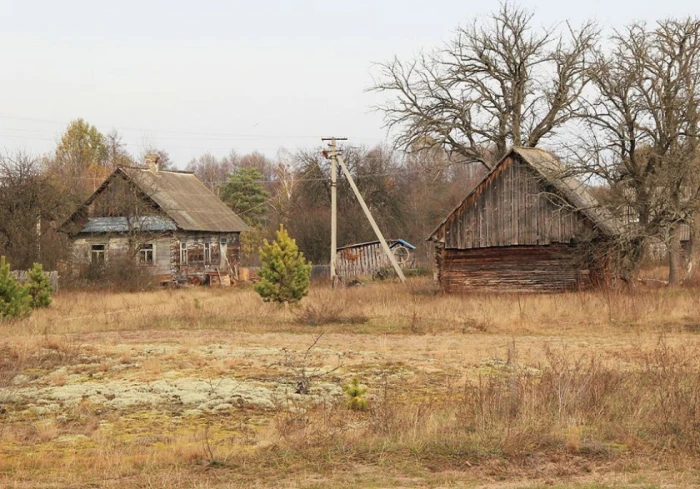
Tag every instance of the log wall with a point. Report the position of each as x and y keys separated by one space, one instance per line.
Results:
x=224 y=251
x=117 y=247
x=513 y=269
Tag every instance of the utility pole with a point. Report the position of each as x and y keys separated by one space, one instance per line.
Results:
x=335 y=158
x=332 y=153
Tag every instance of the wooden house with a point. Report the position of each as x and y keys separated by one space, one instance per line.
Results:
x=166 y=221
x=526 y=226
x=369 y=260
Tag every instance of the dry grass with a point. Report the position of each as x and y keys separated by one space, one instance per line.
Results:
x=596 y=389
x=377 y=308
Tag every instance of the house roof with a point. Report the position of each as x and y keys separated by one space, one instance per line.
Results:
x=390 y=242
x=186 y=200
x=554 y=173
x=122 y=225
x=181 y=196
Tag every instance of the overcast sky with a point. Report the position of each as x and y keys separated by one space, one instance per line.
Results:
x=197 y=76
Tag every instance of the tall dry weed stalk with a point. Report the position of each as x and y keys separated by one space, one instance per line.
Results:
x=569 y=403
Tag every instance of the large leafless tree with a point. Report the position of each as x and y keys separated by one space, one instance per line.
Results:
x=29 y=203
x=499 y=83
x=644 y=138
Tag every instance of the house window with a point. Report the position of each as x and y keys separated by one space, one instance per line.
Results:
x=183 y=252
x=147 y=254
x=207 y=252
x=195 y=254
x=97 y=254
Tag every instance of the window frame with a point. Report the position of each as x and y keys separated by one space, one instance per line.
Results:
x=145 y=250
x=95 y=254
x=183 y=252
x=207 y=253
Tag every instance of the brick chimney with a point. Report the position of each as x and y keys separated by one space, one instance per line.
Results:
x=152 y=162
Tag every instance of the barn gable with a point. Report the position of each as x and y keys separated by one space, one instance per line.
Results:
x=527 y=199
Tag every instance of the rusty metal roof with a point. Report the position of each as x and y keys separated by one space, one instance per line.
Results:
x=186 y=200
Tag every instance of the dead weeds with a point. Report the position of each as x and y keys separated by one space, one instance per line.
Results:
x=524 y=389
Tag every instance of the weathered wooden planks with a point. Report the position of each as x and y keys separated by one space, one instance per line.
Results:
x=512 y=269
x=516 y=208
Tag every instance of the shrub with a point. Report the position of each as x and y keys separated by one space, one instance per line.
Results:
x=14 y=298
x=355 y=392
x=328 y=313
x=39 y=287
x=285 y=273
x=120 y=273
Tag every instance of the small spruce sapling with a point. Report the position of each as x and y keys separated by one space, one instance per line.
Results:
x=285 y=273
x=355 y=392
x=39 y=287
x=14 y=298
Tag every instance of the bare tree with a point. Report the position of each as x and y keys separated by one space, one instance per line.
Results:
x=498 y=83
x=644 y=131
x=117 y=155
x=212 y=171
x=29 y=203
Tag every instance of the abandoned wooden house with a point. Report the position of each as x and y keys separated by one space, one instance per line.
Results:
x=166 y=221
x=526 y=226
x=369 y=260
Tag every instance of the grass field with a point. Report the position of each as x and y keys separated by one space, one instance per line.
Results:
x=211 y=388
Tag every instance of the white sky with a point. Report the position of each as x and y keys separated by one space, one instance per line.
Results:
x=206 y=75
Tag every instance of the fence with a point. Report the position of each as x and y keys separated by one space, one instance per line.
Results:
x=23 y=275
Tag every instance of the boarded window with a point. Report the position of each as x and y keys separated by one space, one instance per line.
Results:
x=147 y=254
x=97 y=254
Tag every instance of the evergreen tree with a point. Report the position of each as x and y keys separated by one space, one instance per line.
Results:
x=285 y=272
x=39 y=287
x=246 y=195
x=14 y=299
x=355 y=392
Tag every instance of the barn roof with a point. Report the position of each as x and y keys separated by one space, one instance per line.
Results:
x=390 y=242
x=181 y=196
x=554 y=173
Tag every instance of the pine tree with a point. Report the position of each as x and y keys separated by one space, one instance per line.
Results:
x=14 y=298
x=285 y=273
x=246 y=195
x=355 y=392
x=39 y=287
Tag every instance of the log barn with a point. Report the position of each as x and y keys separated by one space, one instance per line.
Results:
x=526 y=227
x=166 y=221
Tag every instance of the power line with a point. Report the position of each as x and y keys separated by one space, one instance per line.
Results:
x=214 y=135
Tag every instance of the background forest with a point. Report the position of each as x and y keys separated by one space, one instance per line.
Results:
x=621 y=110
